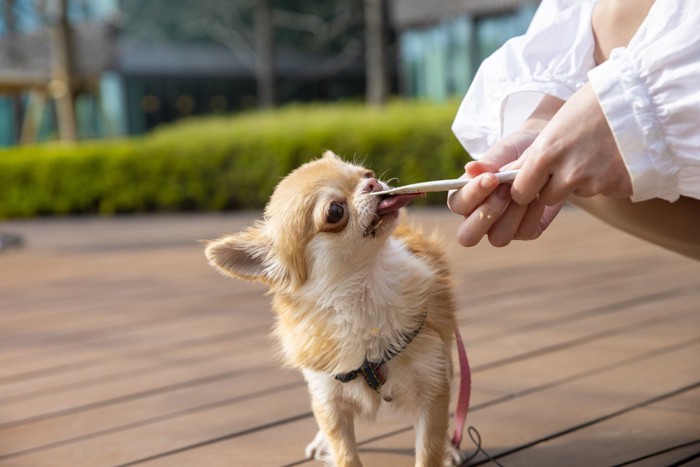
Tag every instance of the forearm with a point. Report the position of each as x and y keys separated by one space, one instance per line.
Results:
x=543 y=113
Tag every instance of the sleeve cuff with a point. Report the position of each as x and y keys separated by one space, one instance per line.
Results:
x=631 y=115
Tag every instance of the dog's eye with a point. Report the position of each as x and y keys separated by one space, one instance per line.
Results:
x=335 y=214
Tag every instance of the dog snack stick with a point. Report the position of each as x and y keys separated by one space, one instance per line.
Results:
x=442 y=185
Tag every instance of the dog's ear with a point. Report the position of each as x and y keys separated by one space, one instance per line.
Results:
x=241 y=255
x=328 y=154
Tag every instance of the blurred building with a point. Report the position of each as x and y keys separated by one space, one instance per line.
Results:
x=136 y=63
x=25 y=70
x=442 y=43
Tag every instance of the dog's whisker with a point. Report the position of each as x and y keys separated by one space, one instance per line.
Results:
x=388 y=182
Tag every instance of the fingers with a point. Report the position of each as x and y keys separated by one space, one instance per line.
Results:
x=534 y=186
x=529 y=228
x=478 y=223
x=555 y=190
x=487 y=207
x=507 y=150
x=521 y=223
x=565 y=181
x=503 y=221
x=505 y=228
x=467 y=198
x=550 y=212
x=536 y=220
x=576 y=152
x=475 y=168
x=532 y=178
x=471 y=195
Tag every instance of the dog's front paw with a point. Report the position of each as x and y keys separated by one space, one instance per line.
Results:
x=455 y=456
x=319 y=449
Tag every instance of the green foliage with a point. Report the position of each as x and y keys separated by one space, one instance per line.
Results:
x=222 y=163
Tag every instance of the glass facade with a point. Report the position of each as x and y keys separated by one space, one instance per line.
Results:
x=30 y=16
x=7 y=129
x=171 y=60
x=436 y=62
x=440 y=62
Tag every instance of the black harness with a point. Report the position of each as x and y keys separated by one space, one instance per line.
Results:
x=370 y=369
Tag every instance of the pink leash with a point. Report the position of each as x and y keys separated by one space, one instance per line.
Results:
x=465 y=390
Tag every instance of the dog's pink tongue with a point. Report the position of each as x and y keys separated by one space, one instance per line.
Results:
x=393 y=203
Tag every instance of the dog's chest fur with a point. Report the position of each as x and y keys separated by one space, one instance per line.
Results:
x=356 y=310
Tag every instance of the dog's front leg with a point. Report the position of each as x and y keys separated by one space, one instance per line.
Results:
x=431 y=427
x=336 y=421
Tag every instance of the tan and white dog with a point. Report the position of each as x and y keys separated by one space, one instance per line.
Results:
x=363 y=303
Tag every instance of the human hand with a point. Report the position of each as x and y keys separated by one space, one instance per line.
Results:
x=575 y=153
x=487 y=207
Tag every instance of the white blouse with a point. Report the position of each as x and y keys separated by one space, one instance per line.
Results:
x=649 y=90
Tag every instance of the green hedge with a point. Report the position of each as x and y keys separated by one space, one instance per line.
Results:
x=222 y=163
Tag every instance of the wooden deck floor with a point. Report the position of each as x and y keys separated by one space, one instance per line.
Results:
x=120 y=346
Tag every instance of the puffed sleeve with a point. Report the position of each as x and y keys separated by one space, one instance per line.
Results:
x=650 y=94
x=552 y=57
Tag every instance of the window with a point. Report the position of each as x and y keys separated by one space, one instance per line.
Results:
x=440 y=61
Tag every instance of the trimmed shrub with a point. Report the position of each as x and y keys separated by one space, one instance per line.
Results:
x=224 y=163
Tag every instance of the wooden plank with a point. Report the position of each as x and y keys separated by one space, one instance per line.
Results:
x=656 y=428
x=92 y=349
x=518 y=424
x=88 y=396
x=407 y=437
x=280 y=445
x=107 y=363
x=215 y=451
x=164 y=411
x=546 y=315
x=102 y=314
x=133 y=363
x=190 y=430
x=516 y=347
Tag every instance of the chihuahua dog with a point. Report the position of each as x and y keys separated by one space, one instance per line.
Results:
x=363 y=303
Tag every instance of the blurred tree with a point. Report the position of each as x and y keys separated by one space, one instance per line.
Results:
x=62 y=62
x=244 y=27
x=265 y=54
x=375 y=53
x=10 y=19
x=255 y=30
x=8 y=15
